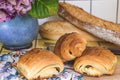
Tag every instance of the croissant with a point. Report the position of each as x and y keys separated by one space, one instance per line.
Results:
x=70 y=46
x=39 y=63
x=96 y=61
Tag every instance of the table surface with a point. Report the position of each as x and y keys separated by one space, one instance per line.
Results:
x=40 y=44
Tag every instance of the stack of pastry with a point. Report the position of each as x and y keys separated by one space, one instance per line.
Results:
x=94 y=61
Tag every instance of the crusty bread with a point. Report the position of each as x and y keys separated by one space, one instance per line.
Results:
x=53 y=30
x=69 y=46
x=103 y=29
x=39 y=63
x=96 y=61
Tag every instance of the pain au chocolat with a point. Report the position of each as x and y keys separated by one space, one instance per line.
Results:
x=96 y=61
x=39 y=63
x=69 y=46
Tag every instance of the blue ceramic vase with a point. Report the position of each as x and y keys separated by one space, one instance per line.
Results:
x=19 y=32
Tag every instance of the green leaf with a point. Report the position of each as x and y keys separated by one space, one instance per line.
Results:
x=44 y=8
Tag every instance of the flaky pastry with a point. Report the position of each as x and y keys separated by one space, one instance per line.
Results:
x=39 y=63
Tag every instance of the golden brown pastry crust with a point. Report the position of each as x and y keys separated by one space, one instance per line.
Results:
x=39 y=63
x=96 y=61
x=70 y=46
x=103 y=29
x=53 y=30
x=84 y=16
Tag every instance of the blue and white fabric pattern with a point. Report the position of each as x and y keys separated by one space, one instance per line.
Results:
x=8 y=70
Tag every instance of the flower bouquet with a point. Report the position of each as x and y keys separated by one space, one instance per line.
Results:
x=36 y=8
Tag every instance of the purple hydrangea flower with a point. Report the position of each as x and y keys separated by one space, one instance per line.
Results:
x=9 y=8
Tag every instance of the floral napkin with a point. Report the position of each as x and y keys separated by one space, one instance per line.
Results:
x=8 y=70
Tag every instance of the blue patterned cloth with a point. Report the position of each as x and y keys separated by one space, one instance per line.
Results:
x=8 y=70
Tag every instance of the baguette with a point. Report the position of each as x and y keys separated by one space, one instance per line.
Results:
x=103 y=29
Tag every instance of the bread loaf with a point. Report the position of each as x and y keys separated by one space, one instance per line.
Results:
x=103 y=29
x=53 y=30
